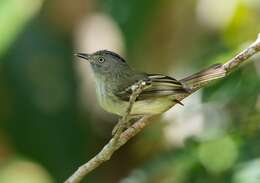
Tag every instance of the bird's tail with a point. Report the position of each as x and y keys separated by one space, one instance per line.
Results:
x=198 y=80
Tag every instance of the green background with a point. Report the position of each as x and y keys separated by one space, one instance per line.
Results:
x=47 y=129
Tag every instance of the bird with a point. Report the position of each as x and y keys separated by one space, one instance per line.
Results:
x=114 y=78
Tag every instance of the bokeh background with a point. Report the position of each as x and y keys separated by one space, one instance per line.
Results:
x=50 y=122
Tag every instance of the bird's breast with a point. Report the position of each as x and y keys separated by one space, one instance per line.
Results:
x=108 y=100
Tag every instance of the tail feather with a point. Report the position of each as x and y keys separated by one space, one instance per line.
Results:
x=198 y=80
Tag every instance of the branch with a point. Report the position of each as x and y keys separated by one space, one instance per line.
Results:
x=232 y=64
x=121 y=138
x=122 y=123
x=206 y=76
x=118 y=139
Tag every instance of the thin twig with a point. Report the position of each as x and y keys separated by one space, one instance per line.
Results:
x=243 y=56
x=137 y=88
x=108 y=150
x=227 y=67
x=118 y=139
x=121 y=138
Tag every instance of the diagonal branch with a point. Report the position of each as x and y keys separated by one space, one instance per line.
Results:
x=243 y=56
x=121 y=138
x=222 y=69
x=136 y=91
x=118 y=139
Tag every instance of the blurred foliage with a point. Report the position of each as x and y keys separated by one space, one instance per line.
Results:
x=13 y=15
x=46 y=132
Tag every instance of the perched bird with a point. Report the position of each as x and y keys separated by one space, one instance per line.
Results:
x=114 y=78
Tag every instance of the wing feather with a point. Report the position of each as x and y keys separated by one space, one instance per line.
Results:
x=161 y=86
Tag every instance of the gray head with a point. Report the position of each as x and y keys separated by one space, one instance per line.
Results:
x=104 y=62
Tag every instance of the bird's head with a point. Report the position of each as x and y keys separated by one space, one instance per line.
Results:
x=104 y=61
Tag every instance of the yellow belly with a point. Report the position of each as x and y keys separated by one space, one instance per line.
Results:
x=152 y=106
x=112 y=104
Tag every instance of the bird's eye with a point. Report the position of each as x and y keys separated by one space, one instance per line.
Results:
x=101 y=59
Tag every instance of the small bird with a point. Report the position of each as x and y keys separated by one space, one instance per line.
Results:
x=114 y=78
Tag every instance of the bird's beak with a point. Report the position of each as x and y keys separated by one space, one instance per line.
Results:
x=83 y=55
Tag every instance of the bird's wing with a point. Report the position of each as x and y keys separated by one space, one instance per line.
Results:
x=160 y=86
